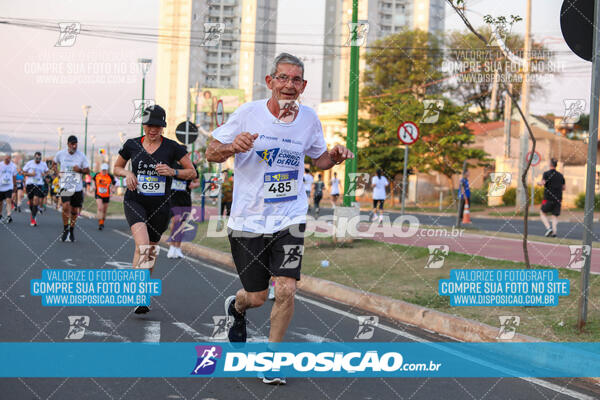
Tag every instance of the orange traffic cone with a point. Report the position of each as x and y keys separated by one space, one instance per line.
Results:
x=466 y=213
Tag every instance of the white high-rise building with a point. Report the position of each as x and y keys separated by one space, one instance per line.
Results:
x=384 y=17
x=225 y=44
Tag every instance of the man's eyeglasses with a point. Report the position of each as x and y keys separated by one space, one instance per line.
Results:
x=284 y=79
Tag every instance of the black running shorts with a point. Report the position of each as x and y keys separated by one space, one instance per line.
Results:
x=76 y=200
x=551 y=207
x=155 y=218
x=104 y=199
x=7 y=194
x=34 y=190
x=258 y=257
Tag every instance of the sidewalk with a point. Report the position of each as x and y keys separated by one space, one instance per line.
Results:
x=540 y=253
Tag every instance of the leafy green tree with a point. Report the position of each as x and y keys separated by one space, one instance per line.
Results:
x=474 y=64
x=442 y=146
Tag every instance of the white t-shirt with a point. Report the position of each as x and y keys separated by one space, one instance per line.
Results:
x=39 y=169
x=269 y=192
x=69 y=180
x=379 y=187
x=7 y=172
x=335 y=186
x=308 y=181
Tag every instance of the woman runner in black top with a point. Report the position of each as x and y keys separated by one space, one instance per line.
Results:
x=147 y=199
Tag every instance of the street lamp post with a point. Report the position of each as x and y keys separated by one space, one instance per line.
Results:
x=86 y=110
x=60 y=133
x=145 y=64
x=93 y=149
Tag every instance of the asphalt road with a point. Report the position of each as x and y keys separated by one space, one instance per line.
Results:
x=193 y=292
x=569 y=230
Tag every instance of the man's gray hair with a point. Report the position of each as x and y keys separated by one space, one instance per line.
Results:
x=286 y=58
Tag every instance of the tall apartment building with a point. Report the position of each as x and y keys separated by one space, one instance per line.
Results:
x=384 y=17
x=237 y=55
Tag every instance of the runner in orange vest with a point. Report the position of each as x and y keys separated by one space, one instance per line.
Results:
x=103 y=182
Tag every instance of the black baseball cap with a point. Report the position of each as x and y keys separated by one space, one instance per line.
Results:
x=72 y=139
x=155 y=115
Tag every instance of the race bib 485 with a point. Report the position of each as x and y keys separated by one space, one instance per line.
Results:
x=280 y=186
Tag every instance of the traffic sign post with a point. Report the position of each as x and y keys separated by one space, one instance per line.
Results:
x=186 y=132
x=219 y=120
x=408 y=133
x=534 y=162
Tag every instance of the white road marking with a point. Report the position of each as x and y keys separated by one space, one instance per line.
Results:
x=539 y=382
x=105 y=334
x=151 y=332
x=190 y=331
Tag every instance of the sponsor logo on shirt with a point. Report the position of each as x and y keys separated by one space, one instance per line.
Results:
x=265 y=137
x=268 y=155
x=291 y=141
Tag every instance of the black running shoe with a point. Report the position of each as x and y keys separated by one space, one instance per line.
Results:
x=100 y=227
x=64 y=234
x=141 y=309
x=548 y=232
x=71 y=236
x=237 y=332
x=8 y=219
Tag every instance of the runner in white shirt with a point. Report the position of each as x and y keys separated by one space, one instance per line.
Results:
x=8 y=181
x=308 y=182
x=34 y=170
x=72 y=165
x=269 y=139
x=335 y=190
x=378 y=183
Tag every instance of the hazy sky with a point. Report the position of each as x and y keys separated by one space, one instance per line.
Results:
x=44 y=86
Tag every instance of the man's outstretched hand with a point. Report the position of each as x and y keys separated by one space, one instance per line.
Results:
x=339 y=154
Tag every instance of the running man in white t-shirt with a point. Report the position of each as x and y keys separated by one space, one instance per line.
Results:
x=34 y=171
x=8 y=182
x=269 y=139
x=308 y=182
x=378 y=183
x=335 y=190
x=73 y=164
